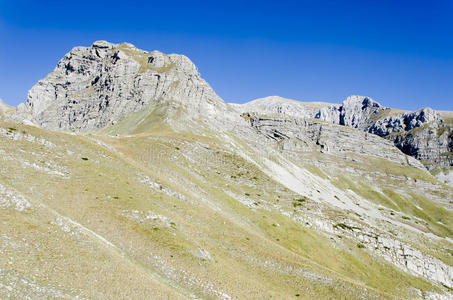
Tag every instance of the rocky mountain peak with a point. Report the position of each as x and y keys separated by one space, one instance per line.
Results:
x=280 y=105
x=356 y=111
x=96 y=86
x=365 y=101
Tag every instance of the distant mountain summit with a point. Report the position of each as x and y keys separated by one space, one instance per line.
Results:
x=423 y=134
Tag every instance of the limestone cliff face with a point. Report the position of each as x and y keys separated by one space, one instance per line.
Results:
x=356 y=111
x=422 y=134
x=279 y=105
x=97 y=86
x=304 y=135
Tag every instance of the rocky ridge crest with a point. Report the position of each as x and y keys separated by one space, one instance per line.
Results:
x=422 y=134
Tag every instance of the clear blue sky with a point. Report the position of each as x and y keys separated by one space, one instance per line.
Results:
x=398 y=52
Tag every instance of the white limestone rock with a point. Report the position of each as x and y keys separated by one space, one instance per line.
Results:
x=303 y=135
x=421 y=134
x=356 y=111
x=406 y=121
x=279 y=105
x=93 y=87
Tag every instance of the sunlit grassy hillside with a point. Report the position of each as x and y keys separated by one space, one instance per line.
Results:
x=161 y=214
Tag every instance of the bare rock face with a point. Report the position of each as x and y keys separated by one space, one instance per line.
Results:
x=422 y=134
x=356 y=111
x=279 y=105
x=304 y=135
x=431 y=145
x=330 y=114
x=405 y=122
x=93 y=87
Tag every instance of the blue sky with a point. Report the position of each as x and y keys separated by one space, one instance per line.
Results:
x=400 y=53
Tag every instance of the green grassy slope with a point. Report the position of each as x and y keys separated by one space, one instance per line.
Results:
x=170 y=215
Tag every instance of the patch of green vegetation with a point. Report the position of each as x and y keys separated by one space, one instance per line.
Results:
x=364 y=191
x=174 y=85
x=419 y=128
x=315 y=248
x=397 y=133
x=142 y=58
x=447 y=154
x=444 y=170
x=395 y=169
x=354 y=273
x=302 y=199
x=149 y=119
x=316 y=171
x=297 y=204
x=425 y=209
x=246 y=116
x=442 y=130
x=299 y=201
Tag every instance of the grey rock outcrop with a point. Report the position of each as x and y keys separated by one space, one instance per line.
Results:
x=431 y=145
x=330 y=114
x=405 y=122
x=401 y=254
x=305 y=135
x=93 y=87
x=356 y=111
x=422 y=134
x=279 y=105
